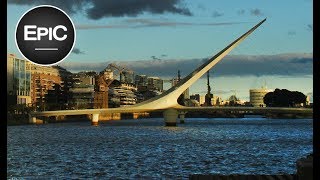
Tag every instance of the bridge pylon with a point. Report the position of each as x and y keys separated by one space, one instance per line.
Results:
x=95 y=119
x=170 y=117
x=182 y=115
x=32 y=119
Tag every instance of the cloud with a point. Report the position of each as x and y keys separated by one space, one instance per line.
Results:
x=91 y=26
x=291 y=33
x=155 y=58
x=136 y=23
x=233 y=65
x=241 y=12
x=70 y=6
x=310 y=27
x=97 y=9
x=79 y=66
x=142 y=23
x=116 y=8
x=256 y=12
x=216 y=14
x=77 y=51
x=202 y=7
x=253 y=12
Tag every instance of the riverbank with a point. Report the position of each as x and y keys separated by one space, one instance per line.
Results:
x=17 y=119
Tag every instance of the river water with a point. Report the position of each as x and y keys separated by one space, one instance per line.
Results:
x=146 y=149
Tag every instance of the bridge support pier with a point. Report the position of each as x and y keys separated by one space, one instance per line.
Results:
x=95 y=119
x=182 y=116
x=32 y=120
x=170 y=117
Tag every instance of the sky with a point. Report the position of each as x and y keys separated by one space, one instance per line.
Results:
x=161 y=36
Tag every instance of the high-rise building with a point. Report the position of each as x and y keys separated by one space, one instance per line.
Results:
x=141 y=80
x=216 y=100
x=82 y=96
x=18 y=80
x=199 y=98
x=147 y=87
x=127 y=77
x=49 y=85
x=155 y=83
x=122 y=95
x=82 y=90
x=257 y=95
x=86 y=77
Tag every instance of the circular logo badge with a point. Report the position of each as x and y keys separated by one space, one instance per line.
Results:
x=45 y=35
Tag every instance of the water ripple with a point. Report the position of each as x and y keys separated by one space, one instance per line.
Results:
x=145 y=149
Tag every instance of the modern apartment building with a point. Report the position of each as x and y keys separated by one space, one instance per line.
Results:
x=81 y=94
x=49 y=85
x=18 y=80
x=155 y=83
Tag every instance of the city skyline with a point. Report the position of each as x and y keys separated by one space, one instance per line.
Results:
x=200 y=85
x=192 y=30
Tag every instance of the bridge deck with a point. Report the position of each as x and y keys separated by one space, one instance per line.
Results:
x=179 y=108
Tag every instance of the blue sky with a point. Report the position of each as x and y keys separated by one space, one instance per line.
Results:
x=115 y=31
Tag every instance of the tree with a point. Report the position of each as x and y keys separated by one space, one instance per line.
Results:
x=233 y=100
x=284 y=98
x=268 y=99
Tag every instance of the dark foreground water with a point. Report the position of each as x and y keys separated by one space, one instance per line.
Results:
x=146 y=149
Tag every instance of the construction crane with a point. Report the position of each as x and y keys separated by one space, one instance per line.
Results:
x=121 y=70
x=234 y=95
x=234 y=92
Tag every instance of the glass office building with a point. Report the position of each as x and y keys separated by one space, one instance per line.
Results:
x=18 y=80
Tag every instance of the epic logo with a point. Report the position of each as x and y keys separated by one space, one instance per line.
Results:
x=45 y=35
x=43 y=31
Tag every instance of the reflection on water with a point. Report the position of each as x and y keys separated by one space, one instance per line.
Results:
x=146 y=149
